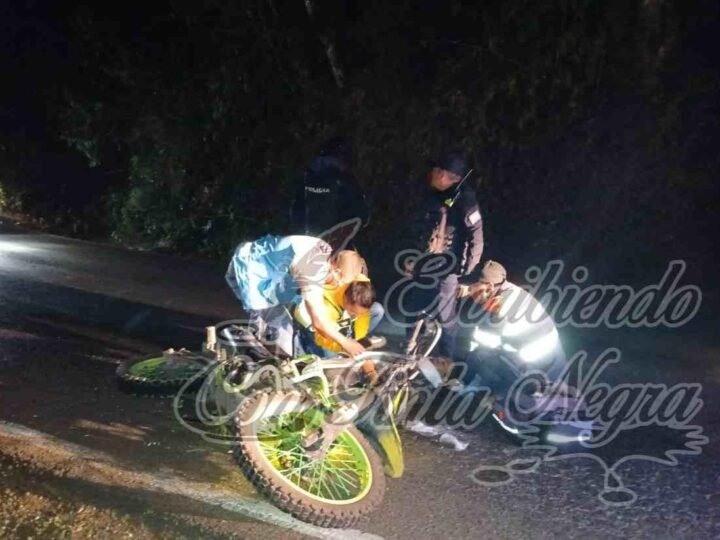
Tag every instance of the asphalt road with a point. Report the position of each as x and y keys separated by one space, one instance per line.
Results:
x=80 y=459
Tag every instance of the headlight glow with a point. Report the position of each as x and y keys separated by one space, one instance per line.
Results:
x=15 y=247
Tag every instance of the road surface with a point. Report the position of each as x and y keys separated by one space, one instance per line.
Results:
x=80 y=459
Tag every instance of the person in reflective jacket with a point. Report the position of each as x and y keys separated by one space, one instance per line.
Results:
x=511 y=325
x=447 y=224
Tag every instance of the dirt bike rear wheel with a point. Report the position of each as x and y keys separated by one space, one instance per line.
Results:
x=155 y=375
x=333 y=491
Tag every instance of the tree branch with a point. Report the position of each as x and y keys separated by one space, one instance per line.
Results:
x=329 y=46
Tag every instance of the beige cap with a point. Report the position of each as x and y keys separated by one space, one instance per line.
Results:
x=493 y=272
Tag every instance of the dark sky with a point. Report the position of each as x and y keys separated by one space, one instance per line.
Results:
x=34 y=47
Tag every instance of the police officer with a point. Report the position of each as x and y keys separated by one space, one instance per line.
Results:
x=448 y=223
x=328 y=193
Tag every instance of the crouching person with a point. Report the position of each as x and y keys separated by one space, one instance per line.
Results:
x=510 y=335
x=353 y=310
x=271 y=274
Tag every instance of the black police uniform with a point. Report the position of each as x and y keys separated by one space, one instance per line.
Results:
x=328 y=193
x=462 y=241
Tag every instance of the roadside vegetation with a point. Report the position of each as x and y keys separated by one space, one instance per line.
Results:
x=588 y=121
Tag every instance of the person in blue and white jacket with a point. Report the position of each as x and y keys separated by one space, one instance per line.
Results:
x=272 y=272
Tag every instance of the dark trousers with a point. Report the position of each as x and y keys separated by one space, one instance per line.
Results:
x=501 y=374
x=441 y=302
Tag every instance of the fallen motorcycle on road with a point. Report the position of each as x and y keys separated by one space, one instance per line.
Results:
x=315 y=436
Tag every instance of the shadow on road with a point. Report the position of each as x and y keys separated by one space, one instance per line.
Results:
x=59 y=350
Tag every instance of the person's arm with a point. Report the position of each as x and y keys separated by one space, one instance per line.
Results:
x=314 y=303
x=474 y=225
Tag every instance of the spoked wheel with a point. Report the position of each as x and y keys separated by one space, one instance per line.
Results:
x=330 y=490
x=157 y=375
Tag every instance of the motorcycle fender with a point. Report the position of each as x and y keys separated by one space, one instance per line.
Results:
x=386 y=440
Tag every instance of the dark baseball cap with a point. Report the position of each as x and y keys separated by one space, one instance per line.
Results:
x=452 y=161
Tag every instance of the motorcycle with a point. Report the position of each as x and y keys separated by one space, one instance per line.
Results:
x=318 y=436
x=314 y=436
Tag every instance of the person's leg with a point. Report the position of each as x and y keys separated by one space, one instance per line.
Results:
x=418 y=302
x=377 y=312
x=308 y=345
x=307 y=341
x=468 y=369
x=481 y=365
x=280 y=331
x=446 y=312
x=557 y=365
x=257 y=323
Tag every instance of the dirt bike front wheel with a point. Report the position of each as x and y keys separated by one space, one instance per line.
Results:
x=334 y=490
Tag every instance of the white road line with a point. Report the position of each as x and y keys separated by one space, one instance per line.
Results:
x=259 y=510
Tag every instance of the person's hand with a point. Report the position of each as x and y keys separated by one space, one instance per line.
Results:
x=409 y=267
x=463 y=291
x=352 y=347
x=481 y=292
